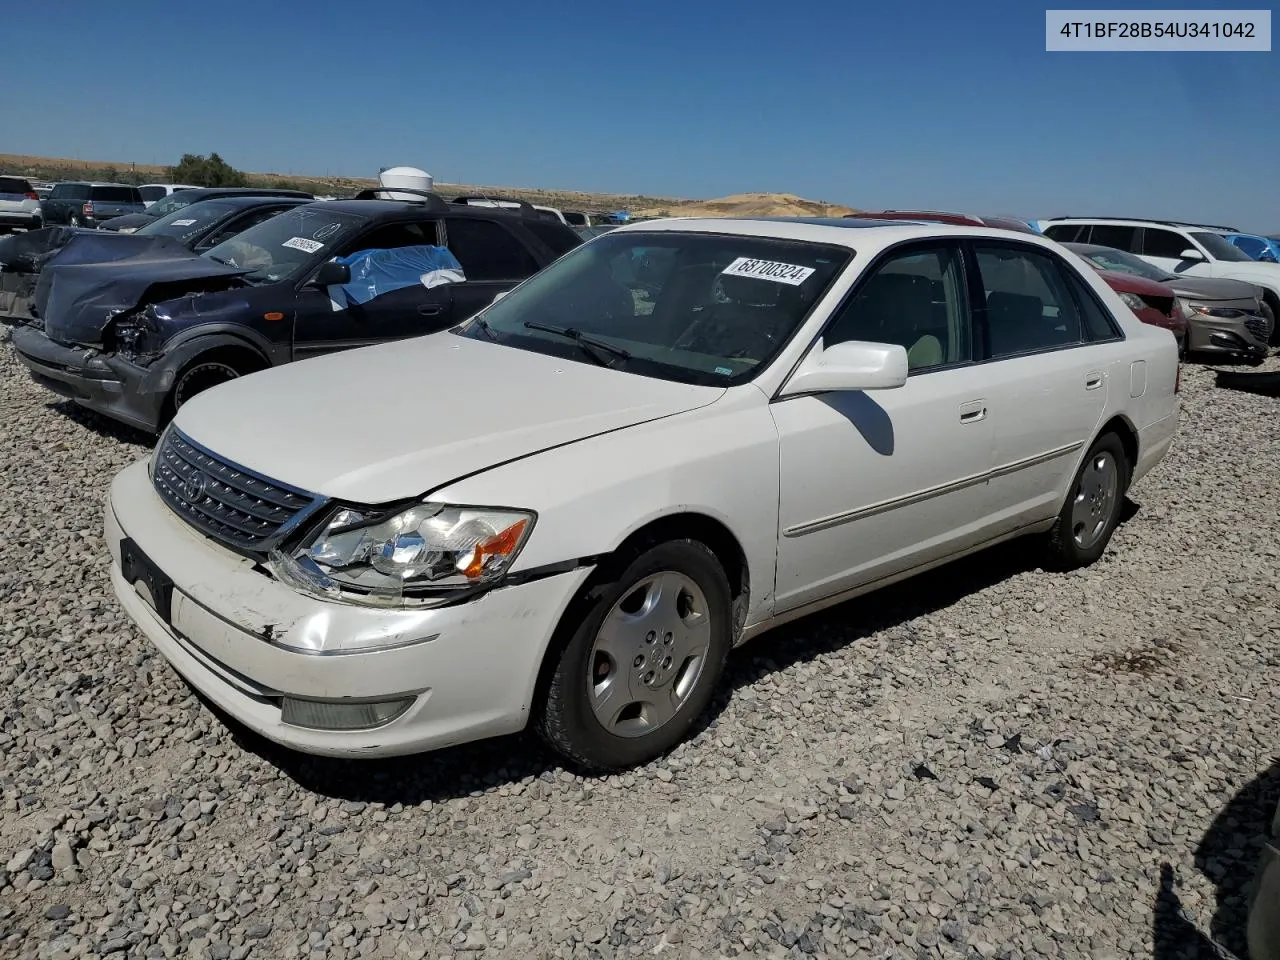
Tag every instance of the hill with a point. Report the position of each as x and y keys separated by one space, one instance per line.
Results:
x=737 y=205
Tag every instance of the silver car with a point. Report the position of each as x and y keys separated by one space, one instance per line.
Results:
x=1225 y=317
x=19 y=204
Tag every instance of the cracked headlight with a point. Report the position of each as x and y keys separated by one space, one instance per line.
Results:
x=425 y=552
x=1132 y=300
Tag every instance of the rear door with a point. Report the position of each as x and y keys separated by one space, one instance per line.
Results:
x=493 y=260
x=1050 y=358
x=321 y=327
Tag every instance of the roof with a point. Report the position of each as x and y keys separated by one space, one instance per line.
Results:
x=381 y=208
x=1139 y=222
x=242 y=191
x=245 y=201
x=842 y=231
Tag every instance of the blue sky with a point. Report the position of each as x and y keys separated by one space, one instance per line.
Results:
x=950 y=105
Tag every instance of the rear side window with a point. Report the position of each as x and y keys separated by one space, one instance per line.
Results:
x=558 y=238
x=487 y=251
x=1110 y=235
x=116 y=195
x=1098 y=324
x=1068 y=232
x=1030 y=308
x=1163 y=243
x=14 y=185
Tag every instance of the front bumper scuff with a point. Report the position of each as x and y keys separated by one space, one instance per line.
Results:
x=244 y=640
x=102 y=382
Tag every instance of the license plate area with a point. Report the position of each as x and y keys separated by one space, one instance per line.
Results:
x=150 y=582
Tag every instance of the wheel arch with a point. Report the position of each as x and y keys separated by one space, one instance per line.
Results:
x=684 y=525
x=1123 y=428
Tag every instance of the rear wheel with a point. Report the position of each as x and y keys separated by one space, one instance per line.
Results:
x=74 y=220
x=642 y=659
x=1092 y=511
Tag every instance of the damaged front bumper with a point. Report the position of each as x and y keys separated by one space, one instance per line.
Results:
x=99 y=381
x=319 y=676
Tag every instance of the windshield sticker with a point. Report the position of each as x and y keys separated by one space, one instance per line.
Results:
x=788 y=273
x=181 y=223
x=303 y=244
x=724 y=371
x=327 y=231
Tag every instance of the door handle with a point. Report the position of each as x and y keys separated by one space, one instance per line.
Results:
x=1093 y=380
x=430 y=310
x=973 y=411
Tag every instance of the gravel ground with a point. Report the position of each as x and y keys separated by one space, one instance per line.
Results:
x=989 y=761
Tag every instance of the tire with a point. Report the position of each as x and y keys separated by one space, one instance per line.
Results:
x=205 y=371
x=661 y=629
x=1092 y=509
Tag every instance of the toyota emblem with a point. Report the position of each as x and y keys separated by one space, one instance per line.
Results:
x=192 y=488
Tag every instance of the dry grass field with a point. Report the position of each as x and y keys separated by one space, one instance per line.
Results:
x=745 y=204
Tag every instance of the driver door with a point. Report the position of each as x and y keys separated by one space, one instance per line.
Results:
x=873 y=483
x=411 y=311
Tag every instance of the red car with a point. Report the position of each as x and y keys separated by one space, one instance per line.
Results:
x=1151 y=302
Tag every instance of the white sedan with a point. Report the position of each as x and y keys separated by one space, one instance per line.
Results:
x=570 y=508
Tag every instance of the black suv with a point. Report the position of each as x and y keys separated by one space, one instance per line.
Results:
x=84 y=204
x=135 y=341
x=183 y=198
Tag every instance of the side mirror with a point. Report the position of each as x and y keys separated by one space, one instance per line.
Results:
x=1191 y=253
x=332 y=274
x=852 y=365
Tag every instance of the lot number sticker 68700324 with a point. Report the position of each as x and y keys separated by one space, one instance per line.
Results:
x=788 y=273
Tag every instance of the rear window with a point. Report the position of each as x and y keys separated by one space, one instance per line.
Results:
x=152 y=193
x=116 y=195
x=559 y=238
x=14 y=185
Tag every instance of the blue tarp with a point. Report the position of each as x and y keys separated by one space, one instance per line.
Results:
x=375 y=272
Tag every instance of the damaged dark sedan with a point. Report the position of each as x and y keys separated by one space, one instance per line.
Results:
x=136 y=337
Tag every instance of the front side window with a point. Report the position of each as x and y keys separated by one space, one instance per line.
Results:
x=917 y=299
x=1068 y=232
x=1029 y=306
x=692 y=307
x=285 y=246
x=1219 y=248
x=1163 y=243
x=1110 y=235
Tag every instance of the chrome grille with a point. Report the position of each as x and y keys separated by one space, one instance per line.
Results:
x=224 y=501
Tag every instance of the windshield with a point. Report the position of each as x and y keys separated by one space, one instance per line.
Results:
x=287 y=244
x=189 y=222
x=1220 y=248
x=174 y=201
x=1122 y=262
x=694 y=307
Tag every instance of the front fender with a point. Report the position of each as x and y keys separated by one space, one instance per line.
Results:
x=720 y=461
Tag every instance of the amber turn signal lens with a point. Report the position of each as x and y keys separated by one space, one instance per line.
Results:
x=499 y=545
x=273 y=315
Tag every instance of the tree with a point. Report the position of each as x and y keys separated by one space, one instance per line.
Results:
x=211 y=171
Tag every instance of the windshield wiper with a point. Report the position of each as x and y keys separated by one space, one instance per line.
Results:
x=590 y=345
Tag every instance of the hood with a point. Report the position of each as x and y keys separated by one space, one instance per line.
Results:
x=78 y=300
x=28 y=252
x=1208 y=288
x=397 y=420
x=128 y=220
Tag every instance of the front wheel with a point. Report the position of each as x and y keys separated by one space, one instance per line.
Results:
x=642 y=661
x=201 y=374
x=1092 y=511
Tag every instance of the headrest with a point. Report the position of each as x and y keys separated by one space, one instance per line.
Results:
x=752 y=291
